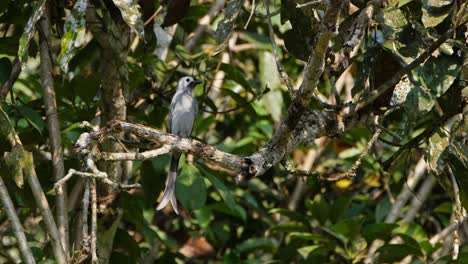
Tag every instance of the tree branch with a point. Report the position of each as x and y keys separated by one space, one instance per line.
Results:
x=53 y=126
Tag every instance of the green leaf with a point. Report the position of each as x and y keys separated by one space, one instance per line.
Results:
x=191 y=189
x=291 y=215
x=32 y=116
x=74 y=25
x=9 y=45
x=240 y=101
x=123 y=242
x=305 y=251
x=438 y=73
x=396 y=252
x=252 y=244
x=348 y=229
x=225 y=194
x=130 y=11
x=309 y=236
x=186 y=55
x=5 y=69
x=378 y=231
x=235 y=74
x=300 y=39
x=86 y=86
x=29 y=31
x=435 y=11
x=391 y=20
x=290 y=226
x=437 y=145
x=383 y=207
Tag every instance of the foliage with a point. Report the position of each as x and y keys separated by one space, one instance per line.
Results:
x=279 y=217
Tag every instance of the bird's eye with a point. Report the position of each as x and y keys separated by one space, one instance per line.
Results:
x=187 y=80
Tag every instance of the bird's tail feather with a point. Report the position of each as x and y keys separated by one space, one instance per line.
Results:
x=169 y=190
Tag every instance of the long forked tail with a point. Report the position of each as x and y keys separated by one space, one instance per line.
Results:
x=169 y=191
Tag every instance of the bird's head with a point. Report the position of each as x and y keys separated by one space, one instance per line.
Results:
x=187 y=83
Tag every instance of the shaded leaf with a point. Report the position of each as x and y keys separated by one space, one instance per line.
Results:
x=191 y=189
x=257 y=244
x=5 y=70
x=29 y=31
x=438 y=73
x=32 y=116
x=225 y=194
x=236 y=74
x=393 y=253
x=378 y=231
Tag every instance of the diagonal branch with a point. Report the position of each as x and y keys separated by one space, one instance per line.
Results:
x=15 y=222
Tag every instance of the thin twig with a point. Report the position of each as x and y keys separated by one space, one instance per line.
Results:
x=252 y=12
x=351 y=172
x=152 y=16
x=96 y=174
x=134 y=156
x=16 y=224
x=284 y=76
x=311 y=3
x=94 y=258
x=457 y=213
x=259 y=96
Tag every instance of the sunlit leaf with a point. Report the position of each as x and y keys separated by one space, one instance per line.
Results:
x=74 y=25
x=305 y=251
x=131 y=14
x=226 y=25
x=29 y=31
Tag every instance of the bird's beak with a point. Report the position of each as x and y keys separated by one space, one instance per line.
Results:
x=194 y=83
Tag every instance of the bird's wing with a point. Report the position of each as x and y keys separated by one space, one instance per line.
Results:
x=195 y=107
x=171 y=109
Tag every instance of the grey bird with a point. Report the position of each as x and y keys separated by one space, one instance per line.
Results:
x=184 y=110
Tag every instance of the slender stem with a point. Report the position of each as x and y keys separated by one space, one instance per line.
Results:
x=94 y=258
x=46 y=213
x=284 y=76
x=53 y=126
x=15 y=222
